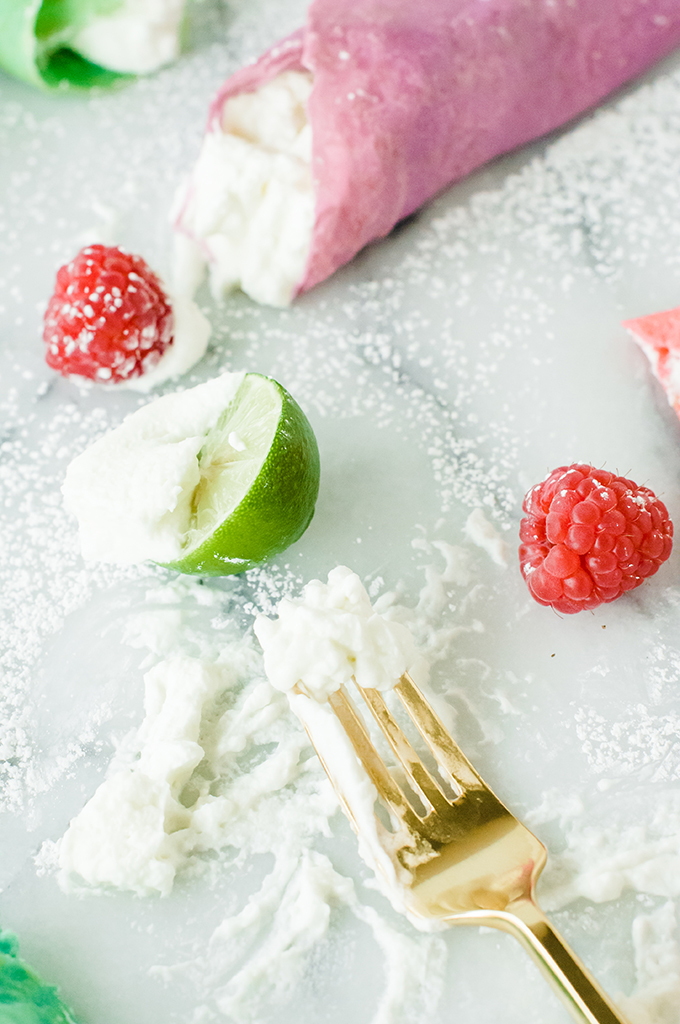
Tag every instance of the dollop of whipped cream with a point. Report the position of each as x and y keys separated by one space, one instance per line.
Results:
x=131 y=490
x=249 y=203
x=137 y=37
x=135 y=832
x=191 y=333
x=330 y=634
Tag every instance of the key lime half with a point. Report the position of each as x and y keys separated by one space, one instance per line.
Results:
x=259 y=481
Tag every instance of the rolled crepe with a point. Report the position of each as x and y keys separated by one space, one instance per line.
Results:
x=83 y=43
x=408 y=96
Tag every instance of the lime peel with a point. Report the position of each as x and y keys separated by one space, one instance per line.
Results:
x=257 y=497
x=212 y=480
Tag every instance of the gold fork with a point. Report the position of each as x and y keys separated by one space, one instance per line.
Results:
x=466 y=859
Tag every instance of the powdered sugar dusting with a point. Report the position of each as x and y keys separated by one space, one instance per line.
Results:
x=44 y=577
x=445 y=370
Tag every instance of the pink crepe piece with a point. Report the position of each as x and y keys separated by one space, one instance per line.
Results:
x=658 y=335
x=411 y=95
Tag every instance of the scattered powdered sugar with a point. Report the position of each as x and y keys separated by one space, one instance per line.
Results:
x=446 y=340
x=644 y=736
x=44 y=579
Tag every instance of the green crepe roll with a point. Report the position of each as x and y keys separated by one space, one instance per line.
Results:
x=24 y=998
x=86 y=43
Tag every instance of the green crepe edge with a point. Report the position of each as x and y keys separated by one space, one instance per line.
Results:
x=62 y=68
x=24 y=997
x=17 y=39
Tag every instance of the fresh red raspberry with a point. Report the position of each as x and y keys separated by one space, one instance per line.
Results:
x=588 y=536
x=108 y=319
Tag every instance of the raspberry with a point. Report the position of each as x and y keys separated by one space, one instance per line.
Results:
x=108 y=319
x=588 y=536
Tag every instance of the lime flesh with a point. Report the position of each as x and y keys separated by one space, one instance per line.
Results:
x=259 y=482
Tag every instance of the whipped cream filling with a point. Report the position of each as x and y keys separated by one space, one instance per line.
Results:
x=131 y=832
x=153 y=813
x=137 y=37
x=331 y=634
x=191 y=334
x=131 y=490
x=249 y=204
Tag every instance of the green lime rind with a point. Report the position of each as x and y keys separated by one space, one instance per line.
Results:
x=277 y=508
x=33 y=43
x=24 y=998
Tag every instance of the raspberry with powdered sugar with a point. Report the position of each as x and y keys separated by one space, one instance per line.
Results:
x=109 y=318
x=588 y=536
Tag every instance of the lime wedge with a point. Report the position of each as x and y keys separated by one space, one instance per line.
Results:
x=259 y=481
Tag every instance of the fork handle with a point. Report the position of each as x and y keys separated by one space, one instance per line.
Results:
x=572 y=981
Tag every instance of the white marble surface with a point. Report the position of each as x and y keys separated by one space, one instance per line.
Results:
x=446 y=369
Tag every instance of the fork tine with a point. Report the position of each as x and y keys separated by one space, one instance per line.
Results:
x=447 y=753
x=380 y=776
x=444 y=819
x=422 y=780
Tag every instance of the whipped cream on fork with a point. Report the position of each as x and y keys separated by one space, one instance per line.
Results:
x=330 y=635
x=321 y=641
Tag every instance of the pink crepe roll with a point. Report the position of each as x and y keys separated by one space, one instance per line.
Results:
x=398 y=98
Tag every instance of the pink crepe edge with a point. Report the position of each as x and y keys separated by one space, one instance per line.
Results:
x=658 y=337
x=285 y=55
x=367 y=180
x=556 y=69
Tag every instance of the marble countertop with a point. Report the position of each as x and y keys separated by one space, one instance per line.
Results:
x=447 y=369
